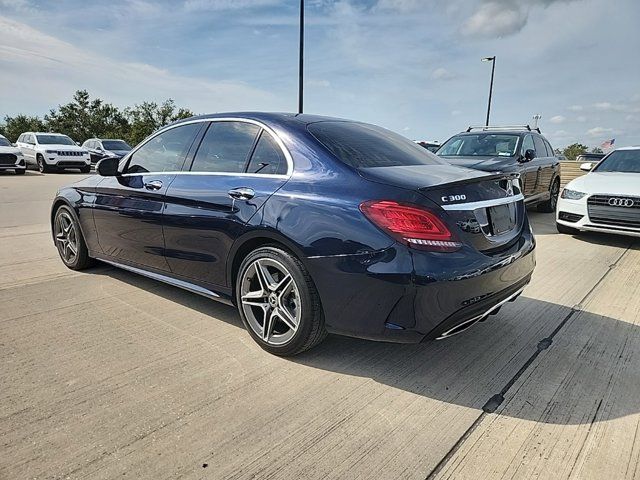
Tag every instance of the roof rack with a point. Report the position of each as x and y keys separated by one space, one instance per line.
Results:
x=505 y=127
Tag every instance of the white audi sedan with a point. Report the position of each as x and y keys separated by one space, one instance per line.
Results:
x=607 y=199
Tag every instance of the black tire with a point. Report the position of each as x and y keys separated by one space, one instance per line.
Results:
x=42 y=165
x=81 y=259
x=566 y=230
x=310 y=329
x=550 y=205
x=20 y=171
x=86 y=169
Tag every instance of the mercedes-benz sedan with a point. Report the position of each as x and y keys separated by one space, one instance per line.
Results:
x=308 y=224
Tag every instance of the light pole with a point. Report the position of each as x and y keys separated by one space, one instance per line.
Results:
x=536 y=117
x=493 y=69
x=301 y=58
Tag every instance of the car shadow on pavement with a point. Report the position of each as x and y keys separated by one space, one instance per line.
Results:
x=596 y=362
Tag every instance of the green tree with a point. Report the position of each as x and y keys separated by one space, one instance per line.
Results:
x=84 y=118
x=573 y=150
x=147 y=117
x=14 y=126
x=596 y=150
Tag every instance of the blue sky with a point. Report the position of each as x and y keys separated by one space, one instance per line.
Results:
x=409 y=65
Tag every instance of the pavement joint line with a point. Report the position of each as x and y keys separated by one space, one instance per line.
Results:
x=496 y=400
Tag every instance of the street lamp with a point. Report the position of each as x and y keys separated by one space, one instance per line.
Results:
x=301 y=57
x=493 y=68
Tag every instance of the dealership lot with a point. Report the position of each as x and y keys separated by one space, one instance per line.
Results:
x=106 y=374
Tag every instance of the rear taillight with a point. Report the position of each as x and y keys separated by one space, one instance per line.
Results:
x=411 y=224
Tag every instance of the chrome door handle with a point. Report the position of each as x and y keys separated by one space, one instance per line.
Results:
x=242 y=193
x=153 y=185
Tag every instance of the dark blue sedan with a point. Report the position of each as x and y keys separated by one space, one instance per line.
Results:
x=308 y=224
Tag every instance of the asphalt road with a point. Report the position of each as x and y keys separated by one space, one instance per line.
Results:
x=105 y=374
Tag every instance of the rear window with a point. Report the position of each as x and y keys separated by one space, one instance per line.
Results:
x=365 y=146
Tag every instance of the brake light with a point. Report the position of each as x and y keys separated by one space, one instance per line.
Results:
x=412 y=225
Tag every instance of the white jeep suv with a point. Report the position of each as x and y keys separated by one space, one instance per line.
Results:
x=52 y=151
x=11 y=157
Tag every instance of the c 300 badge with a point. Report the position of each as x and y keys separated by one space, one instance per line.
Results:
x=453 y=198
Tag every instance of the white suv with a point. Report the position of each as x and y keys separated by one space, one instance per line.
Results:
x=53 y=151
x=11 y=157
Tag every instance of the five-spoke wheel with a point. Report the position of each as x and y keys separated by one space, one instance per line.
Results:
x=278 y=302
x=68 y=237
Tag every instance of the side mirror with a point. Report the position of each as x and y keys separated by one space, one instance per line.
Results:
x=108 y=167
x=529 y=154
x=587 y=166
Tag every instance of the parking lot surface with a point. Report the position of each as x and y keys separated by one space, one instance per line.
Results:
x=106 y=374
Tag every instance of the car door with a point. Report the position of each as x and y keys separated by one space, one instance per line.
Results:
x=544 y=162
x=237 y=166
x=128 y=207
x=528 y=168
x=91 y=146
x=28 y=148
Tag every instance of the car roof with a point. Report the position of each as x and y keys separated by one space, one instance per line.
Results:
x=632 y=147
x=269 y=117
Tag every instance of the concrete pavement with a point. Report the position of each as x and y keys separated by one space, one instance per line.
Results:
x=107 y=374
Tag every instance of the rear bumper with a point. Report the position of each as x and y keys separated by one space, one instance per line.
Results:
x=404 y=295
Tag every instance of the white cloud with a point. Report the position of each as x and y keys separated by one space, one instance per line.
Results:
x=557 y=119
x=220 y=5
x=455 y=113
x=496 y=19
x=599 y=131
x=63 y=68
x=576 y=108
x=403 y=6
x=581 y=118
x=442 y=74
x=318 y=83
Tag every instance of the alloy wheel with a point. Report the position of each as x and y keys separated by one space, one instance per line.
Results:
x=555 y=190
x=270 y=301
x=40 y=165
x=66 y=237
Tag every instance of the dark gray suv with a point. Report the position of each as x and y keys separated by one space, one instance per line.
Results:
x=517 y=149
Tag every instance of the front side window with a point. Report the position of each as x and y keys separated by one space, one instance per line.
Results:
x=164 y=152
x=627 y=161
x=54 y=140
x=360 y=145
x=225 y=147
x=480 y=145
x=267 y=158
x=541 y=150
x=527 y=144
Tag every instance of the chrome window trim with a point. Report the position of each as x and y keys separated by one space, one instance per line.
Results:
x=266 y=128
x=484 y=203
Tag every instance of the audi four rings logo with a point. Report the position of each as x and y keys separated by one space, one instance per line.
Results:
x=621 y=202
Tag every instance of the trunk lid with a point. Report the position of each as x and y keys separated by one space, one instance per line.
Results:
x=483 y=210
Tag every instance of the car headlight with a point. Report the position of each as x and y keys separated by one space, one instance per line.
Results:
x=572 y=194
x=50 y=151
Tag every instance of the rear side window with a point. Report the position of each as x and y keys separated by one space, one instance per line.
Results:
x=365 y=146
x=267 y=158
x=164 y=152
x=550 y=152
x=225 y=147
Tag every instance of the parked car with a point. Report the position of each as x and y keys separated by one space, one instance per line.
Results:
x=432 y=145
x=11 y=157
x=308 y=224
x=607 y=199
x=50 y=152
x=100 y=148
x=518 y=149
x=589 y=157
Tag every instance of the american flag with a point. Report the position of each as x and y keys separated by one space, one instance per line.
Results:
x=608 y=143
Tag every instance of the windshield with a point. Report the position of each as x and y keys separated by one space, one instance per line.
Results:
x=115 y=145
x=54 y=140
x=627 y=161
x=365 y=146
x=480 y=145
x=4 y=142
